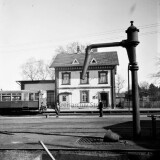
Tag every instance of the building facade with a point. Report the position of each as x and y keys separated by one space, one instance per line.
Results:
x=99 y=83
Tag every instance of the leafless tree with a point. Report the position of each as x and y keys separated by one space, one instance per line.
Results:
x=71 y=48
x=119 y=83
x=36 y=70
x=144 y=85
x=29 y=69
x=156 y=75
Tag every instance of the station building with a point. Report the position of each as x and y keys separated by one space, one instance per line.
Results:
x=99 y=83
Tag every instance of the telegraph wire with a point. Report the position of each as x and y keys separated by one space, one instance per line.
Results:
x=115 y=31
x=122 y=30
x=50 y=44
x=123 y=37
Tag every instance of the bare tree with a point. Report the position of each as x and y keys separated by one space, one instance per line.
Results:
x=36 y=70
x=156 y=75
x=51 y=73
x=144 y=85
x=144 y=89
x=29 y=69
x=71 y=48
x=43 y=70
x=119 y=83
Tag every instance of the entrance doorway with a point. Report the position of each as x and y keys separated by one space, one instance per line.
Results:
x=65 y=100
x=50 y=99
x=105 y=99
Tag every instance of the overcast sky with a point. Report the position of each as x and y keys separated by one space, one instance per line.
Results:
x=35 y=28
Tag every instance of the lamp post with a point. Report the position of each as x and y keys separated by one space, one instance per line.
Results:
x=130 y=44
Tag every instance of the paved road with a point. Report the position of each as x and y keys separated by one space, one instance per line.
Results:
x=25 y=132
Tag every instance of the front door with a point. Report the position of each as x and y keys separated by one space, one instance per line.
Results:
x=64 y=101
x=104 y=99
x=50 y=99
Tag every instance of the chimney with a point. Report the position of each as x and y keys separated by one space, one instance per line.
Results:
x=94 y=50
x=78 y=50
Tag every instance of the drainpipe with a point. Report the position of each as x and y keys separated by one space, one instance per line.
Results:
x=130 y=45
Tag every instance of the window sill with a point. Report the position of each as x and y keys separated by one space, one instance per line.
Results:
x=102 y=83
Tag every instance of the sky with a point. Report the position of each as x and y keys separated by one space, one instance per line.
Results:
x=35 y=28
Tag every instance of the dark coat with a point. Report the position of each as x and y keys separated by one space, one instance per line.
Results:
x=100 y=106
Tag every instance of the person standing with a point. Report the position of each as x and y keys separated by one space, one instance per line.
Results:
x=43 y=108
x=100 y=107
x=57 y=109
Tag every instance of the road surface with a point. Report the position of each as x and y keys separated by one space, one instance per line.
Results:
x=25 y=132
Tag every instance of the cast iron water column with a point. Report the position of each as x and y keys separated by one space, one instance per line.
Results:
x=130 y=45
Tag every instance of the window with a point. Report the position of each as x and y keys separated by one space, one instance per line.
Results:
x=16 y=96
x=103 y=77
x=84 y=96
x=26 y=98
x=6 y=97
x=31 y=96
x=36 y=96
x=85 y=80
x=64 y=98
x=65 y=78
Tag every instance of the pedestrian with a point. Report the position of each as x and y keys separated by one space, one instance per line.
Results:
x=57 y=109
x=43 y=107
x=100 y=107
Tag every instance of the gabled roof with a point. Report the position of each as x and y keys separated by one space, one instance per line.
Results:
x=102 y=58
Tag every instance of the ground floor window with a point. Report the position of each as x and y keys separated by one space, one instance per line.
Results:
x=64 y=98
x=84 y=96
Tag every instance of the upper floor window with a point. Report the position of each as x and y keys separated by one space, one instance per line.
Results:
x=103 y=77
x=66 y=78
x=85 y=80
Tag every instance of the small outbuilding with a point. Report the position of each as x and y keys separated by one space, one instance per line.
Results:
x=46 y=85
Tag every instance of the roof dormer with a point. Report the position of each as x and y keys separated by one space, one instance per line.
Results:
x=75 y=61
x=93 y=61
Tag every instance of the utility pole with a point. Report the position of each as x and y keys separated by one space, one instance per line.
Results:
x=130 y=44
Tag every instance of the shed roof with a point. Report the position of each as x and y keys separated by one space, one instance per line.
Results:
x=35 y=81
x=102 y=58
